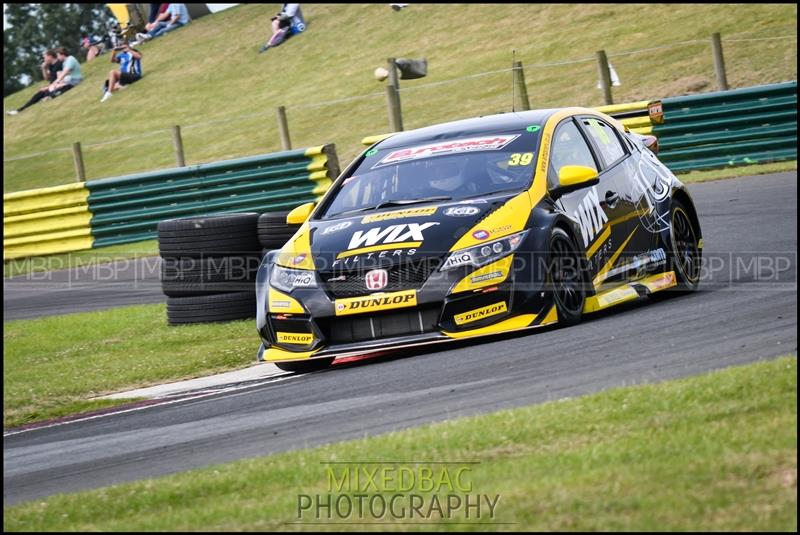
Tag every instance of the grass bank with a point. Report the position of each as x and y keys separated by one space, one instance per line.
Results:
x=716 y=452
x=209 y=78
x=51 y=366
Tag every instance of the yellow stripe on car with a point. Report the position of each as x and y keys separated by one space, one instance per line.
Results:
x=296 y=254
x=280 y=302
x=510 y=324
x=494 y=273
x=375 y=248
x=607 y=267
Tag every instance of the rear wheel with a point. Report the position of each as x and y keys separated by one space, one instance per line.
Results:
x=566 y=277
x=305 y=366
x=684 y=253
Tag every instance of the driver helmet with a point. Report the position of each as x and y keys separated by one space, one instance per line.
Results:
x=445 y=175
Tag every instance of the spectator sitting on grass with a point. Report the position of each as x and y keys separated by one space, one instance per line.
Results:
x=285 y=24
x=50 y=67
x=178 y=16
x=69 y=76
x=130 y=70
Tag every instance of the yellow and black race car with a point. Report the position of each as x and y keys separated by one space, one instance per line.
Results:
x=472 y=228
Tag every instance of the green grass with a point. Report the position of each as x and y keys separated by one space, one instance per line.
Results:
x=101 y=255
x=733 y=172
x=716 y=452
x=210 y=73
x=53 y=365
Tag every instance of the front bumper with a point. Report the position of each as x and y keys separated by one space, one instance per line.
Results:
x=311 y=327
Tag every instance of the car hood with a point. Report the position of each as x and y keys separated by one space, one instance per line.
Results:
x=398 y=235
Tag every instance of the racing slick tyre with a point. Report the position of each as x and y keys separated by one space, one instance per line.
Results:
x=273 y=231
x=220 y=235
x=566 y=276
x=211 y=308
x=306 y=366
x=683 y=253
x=184 y=277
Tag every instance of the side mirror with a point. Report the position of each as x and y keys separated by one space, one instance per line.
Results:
x=299 y=215
x=651 y=142
x=573 y=177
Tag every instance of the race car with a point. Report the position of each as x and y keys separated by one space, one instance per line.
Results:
x=472 y=228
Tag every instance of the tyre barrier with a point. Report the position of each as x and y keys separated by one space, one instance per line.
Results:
x=211 y=308
x=209 y=264
x=273 y=231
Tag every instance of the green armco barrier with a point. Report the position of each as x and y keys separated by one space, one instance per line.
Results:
x=128 y=208
x=726 y=128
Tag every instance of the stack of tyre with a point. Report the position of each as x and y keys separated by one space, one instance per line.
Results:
x=209 y=264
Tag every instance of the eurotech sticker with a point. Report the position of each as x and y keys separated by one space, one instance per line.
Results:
x=486 y=277
x=300 y=339
x=399 y=214
x=480 y=313
x=375 y=302
x=448 y=147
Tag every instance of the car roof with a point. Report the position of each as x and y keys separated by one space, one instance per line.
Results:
x=488 y=124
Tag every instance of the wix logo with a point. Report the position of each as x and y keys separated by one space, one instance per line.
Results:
x=591 y=216
x=391 y=234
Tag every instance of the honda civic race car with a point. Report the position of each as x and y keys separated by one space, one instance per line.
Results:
x=472 y=228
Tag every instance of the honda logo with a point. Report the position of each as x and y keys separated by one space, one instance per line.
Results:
x=377 y=279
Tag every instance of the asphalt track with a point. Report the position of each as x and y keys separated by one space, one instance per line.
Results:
x=746 y=311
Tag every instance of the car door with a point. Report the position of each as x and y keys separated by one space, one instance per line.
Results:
x=631 y=239
x=587 y=206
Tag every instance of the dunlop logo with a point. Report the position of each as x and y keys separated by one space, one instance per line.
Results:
x=302 y=339
x=480 y=313
x=399 y=214
x=376 y=302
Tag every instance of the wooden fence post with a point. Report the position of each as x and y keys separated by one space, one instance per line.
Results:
x=719 y=62
x=393 y=98
x=77 y=157
x=605 y=76
x=283 y=128
x=519 y=83
x=177 y=144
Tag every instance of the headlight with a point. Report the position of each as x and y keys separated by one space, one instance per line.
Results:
x=482 y=254
x=289 y=279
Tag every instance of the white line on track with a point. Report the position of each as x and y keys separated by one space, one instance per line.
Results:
x=166 y=401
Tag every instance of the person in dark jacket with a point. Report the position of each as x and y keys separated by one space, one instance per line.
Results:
x=50 y=67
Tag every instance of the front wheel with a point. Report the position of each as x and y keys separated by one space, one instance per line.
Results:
x=566 y=277
x=684 y=251
x=305 y=366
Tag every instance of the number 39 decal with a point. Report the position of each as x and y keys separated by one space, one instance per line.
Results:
x=521 y=158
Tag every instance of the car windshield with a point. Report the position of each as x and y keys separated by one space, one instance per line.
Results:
x=452 y=169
